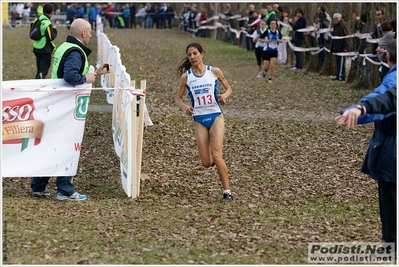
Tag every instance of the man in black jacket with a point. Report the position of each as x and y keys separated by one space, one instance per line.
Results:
x=339 y=46
x=299 y=22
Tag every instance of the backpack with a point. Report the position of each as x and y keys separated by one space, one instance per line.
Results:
x=34 y=32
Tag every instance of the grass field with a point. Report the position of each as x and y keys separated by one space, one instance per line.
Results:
x=294 y=174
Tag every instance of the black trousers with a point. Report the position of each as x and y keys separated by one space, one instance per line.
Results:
x=43 y=62
x=387 y=200
x=298 y=55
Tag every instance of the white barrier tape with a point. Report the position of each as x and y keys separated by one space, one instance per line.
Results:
x=358 y=35
x=318 y=51
x=237 y=32
x=301 y=49
x=284 y=24
x=256 y=21
x=345 y=54
x=307 y=29
x=136 y=92
x=363 y=55
x=372 y=61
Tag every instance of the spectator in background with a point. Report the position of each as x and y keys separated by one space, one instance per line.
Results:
x=132 y=15
x=323 y=37
x=263 y=13
x=339 y=46
x=81 y=11
x=184 y=18
x=63 y=7
x=170 y=16
x=162 y=15
x=156 y=16
x=33 y=10
x=250 y=28
x=299 y=22
x=44 y=47
x=202 y=22
x=228 y=23
x=355 y=27
x=355 y=22
x=387 y=36
x=322 y=9
x=150 y=12
x=140 y=15
x=362 y=43
x=20 y=10
x=278 y=10
x=271 y=14
x=285 y=15
x=126 y=15
x=282 y=47
x=380 y=16
x=377 y=32
x=192 y=24
x=104 y=16
x=70 y=15
x=39 y=10
x=92 y=15
x=110 y=15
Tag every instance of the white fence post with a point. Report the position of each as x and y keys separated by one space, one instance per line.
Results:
x=137 y=127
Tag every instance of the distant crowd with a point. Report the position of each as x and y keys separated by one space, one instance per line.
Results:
x=195 y=20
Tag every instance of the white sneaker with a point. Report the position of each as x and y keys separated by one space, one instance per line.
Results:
x=294 y=68
x=75 y=196
x=259 y=75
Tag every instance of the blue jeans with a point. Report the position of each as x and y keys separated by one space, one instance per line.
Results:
x=140 y=21
x=148 y=22
x=63 y=183
x=248 y=42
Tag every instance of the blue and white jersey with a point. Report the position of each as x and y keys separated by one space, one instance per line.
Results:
x=203 y=92
x=273 y=45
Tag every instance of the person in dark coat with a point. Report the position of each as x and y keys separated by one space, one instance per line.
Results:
x=299 y=37
x=362 y=42
x=380 y=160
x=339 y=46
x=133 y=15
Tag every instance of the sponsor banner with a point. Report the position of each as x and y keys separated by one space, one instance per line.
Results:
x=42 y=127
x=122 y=134
x=351 y=252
